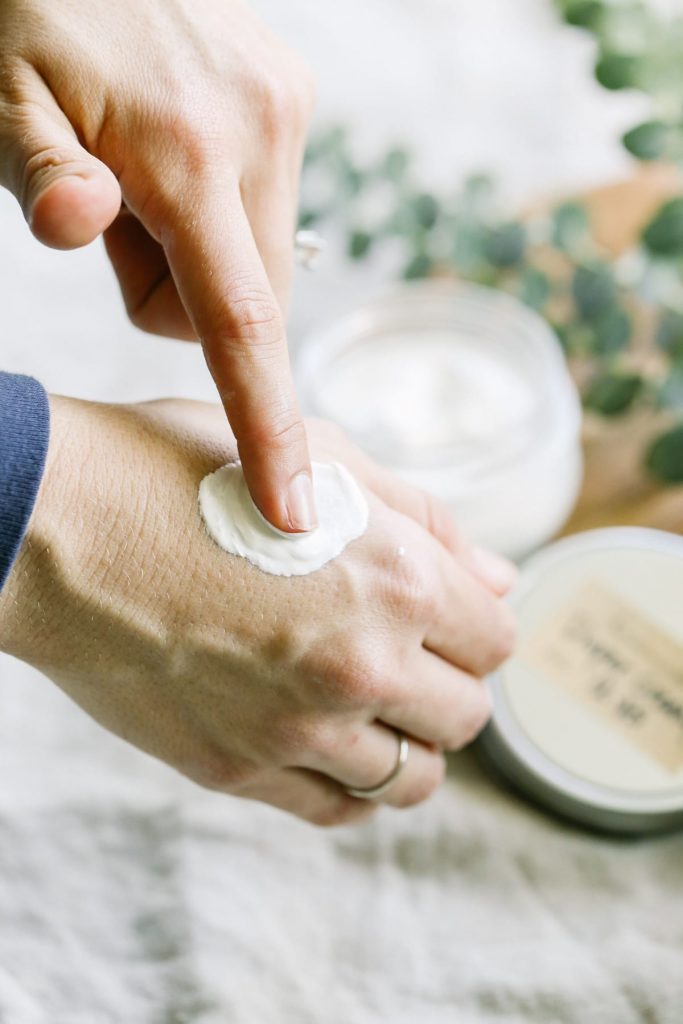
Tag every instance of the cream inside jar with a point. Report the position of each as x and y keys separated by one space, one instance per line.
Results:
x=463 y=392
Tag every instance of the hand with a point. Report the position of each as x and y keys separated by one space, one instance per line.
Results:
x=277 y=689
x=197 y=117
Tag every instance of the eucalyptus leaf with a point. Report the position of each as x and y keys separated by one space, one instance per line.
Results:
x=360 y=243
x=477 y=195
x=395 y=163
x=419 y=266
x=669 y=334
x=618 y=70
x=425 y=209
x=584 y=13
x=594 y=290
x=612 y=394
x=664 y=235
x=670 y=393
x=613 y=330
x=570 y=227
x=536 y=288
x=649 y=141
x=505 y=246
x=308 y=218
x=664 y=458
x=468 y=247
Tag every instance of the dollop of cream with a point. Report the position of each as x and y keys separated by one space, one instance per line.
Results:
x=236 y=525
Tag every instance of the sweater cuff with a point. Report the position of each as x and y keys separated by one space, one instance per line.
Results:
x=24 y=437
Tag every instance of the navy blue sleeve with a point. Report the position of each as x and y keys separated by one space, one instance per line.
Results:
x=24 y=436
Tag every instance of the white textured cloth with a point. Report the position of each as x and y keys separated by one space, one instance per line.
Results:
x=128 y=896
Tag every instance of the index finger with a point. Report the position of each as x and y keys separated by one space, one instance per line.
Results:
x=224 y=287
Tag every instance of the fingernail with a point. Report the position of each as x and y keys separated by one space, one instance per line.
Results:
x=300 y=504
x=494 y=570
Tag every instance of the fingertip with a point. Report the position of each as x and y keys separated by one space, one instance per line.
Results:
x=279 y=477
x=76 y=208
x=302 y=516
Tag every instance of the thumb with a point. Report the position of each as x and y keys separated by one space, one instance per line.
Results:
x=68 y=196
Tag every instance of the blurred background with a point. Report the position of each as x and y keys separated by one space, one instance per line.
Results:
x=493 y=86
x=158 y=902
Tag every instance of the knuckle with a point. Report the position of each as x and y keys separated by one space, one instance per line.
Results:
x=438 y=520
x=360 y=681
x=286 y=104
x=409 y=591
x=296 y=738
x=424 y=785
x=191 y=131
x=43 y=165
x=252 y=316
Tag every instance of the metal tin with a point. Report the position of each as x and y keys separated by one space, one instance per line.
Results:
x=558 y=743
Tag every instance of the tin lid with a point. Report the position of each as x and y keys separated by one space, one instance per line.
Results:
x=588 y=714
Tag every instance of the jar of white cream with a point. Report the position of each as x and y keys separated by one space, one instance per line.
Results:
x=464 y=392
x=588 y=713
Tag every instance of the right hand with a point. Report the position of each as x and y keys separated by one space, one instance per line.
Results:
x=276 y=689
x=196 y=117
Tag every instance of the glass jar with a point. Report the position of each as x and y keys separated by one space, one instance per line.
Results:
x=462 y=391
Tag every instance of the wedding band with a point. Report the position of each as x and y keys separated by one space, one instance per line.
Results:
x=401 y=758
x=308 y=246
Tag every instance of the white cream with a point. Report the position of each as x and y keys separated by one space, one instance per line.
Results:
x=408 y=395
x=461 y=391
x=236 y=525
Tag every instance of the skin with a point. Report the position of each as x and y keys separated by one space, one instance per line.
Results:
x=277 y=689
x=176 y=128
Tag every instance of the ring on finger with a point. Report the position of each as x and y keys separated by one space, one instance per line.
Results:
x=373 y=792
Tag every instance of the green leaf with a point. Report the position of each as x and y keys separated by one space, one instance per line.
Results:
x=612 y=394
x=664 y=235
x=468 y=247
x=352 y=179
x=648 y=141
x=395 y=164
x=536 y=288
x=425 y=209
x=329 y=143
x=670 y=394
x=584 y=13
x=612 y=330
x=308 y=218
x=419 y=266
x=570 y=226
x=618 y=70
x=669 y=334
x=664 y=458
x=360 y=243
x=477 y=194
x=594 y=290
x=504 y=246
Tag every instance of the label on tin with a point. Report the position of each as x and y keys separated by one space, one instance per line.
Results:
x=618 y=663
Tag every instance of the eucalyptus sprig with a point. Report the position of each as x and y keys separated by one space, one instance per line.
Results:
x=600 y=308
